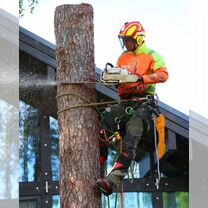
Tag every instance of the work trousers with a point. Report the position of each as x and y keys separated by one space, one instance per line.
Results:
x=131 y=128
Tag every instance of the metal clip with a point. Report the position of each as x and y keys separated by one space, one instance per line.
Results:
x=118 y=136
x=129 y=110
x=156 y=99
x=149 y=98
x=118 y=120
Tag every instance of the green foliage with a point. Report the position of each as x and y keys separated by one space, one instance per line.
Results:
x=21 y=10
x=31 y=4
x=176 y=200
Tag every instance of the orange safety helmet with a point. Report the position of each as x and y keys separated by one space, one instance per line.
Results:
x=133 y=30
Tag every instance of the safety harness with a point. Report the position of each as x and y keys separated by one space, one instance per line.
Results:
x=115 y=139
x=158 y=119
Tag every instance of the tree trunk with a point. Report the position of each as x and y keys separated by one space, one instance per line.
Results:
x=79 y=127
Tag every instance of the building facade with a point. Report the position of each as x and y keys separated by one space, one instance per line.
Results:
x=39 y=140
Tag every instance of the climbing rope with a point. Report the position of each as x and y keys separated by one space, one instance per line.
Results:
x=109 y=140
x=121 y=195
x=94 y=105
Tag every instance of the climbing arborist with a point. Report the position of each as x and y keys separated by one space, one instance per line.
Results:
x=150 y=68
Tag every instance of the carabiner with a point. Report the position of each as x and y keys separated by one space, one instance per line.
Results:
x=129 y=110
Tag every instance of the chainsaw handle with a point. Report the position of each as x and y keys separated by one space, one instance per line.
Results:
x=106 y=66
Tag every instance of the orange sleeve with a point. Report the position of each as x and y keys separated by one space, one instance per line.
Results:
x=158 y=76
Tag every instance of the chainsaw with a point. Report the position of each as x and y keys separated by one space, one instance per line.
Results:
x=114 y=75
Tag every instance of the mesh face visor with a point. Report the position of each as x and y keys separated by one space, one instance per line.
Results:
x=123 y=39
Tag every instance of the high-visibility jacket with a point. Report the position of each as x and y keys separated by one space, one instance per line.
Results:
x=142 y=62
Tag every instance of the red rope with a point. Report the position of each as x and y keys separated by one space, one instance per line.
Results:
x=122 y=194
x=106 y=139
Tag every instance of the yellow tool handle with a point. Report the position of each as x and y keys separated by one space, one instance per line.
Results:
x=160 y=125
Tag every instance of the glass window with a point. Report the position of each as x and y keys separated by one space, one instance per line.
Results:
x=55 y=162
x=29 y=139
x=28 y=204
x=176 y=200
x=136 y=200
x=112 y=156
x=56 y=201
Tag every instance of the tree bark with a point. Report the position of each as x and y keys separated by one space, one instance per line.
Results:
x=79 y=127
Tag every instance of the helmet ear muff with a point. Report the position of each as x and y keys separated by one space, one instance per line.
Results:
x=139 y=40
